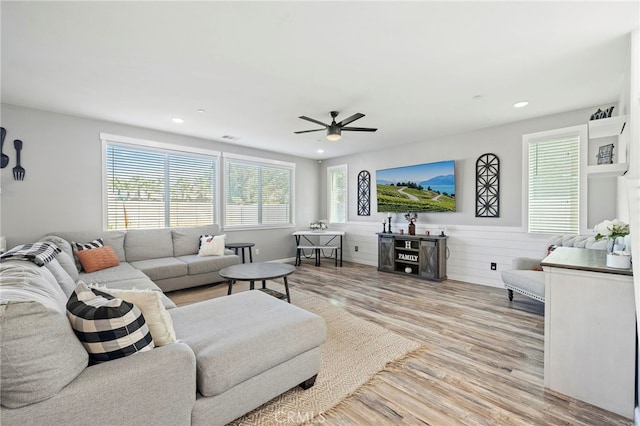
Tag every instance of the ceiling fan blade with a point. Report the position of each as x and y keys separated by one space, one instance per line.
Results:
x=313 y=121
x=307 y=131
x=351 y=119
x=359 y=129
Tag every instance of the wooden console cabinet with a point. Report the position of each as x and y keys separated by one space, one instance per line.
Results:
x=422 y=256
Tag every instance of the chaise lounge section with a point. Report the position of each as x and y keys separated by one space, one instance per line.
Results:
x=231 y=354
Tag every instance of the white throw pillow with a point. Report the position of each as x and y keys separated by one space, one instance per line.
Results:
x=155 y=314
x=212 y=245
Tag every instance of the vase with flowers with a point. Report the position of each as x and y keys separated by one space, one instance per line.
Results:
x=318 y=225
x=411 y=217
x=614 y=231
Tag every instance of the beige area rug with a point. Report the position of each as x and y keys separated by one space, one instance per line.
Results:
x=354 y=352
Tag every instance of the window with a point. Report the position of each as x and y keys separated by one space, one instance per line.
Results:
x=337 y=188
x=153 y=185
x=553 y=181
x=257 y=192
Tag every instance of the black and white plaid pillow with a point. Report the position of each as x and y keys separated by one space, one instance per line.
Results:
x=39 y=253
x=109 y=328
x=76 y=247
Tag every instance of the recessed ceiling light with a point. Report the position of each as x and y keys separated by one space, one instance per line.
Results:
x=201 y=111
x=177 y=120
x=521 y=104
x=320 y=151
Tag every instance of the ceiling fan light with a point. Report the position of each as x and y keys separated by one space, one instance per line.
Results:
x=333 y=137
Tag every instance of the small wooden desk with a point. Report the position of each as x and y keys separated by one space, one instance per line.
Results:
x=318 y=243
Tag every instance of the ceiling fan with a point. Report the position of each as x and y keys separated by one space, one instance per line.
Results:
x=334 y=130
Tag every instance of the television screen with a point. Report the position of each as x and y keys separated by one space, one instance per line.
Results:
x=421 y=188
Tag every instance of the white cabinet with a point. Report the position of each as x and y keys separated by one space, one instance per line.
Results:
x=602 y=134
x=590 y=329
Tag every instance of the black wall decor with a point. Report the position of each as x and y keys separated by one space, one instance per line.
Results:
x=488 y=186
x=364 y=193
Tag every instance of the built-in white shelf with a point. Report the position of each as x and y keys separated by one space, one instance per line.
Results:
x=606 y=170
x=602 y=132
x=606 y=127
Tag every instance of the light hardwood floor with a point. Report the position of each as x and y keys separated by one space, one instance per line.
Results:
x=481 y=363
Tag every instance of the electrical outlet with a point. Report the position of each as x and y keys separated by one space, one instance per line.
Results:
x=356 y=248
x=493 y=266
x=257 y=251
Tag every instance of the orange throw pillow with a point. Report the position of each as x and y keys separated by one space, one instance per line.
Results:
x=98 y=258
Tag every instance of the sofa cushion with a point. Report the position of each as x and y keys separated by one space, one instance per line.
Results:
x=77 y=247
x=187 y=240
x=162 y=268
x=63 y=244
x=229 y=335
x=112 y=238
x=202 y=265
x=143 y=244
x=64 y=280
x=124 y=271
x=212 y=245
x=108 y=327
x=97 y=259
x=30 y=308
x=150 y=304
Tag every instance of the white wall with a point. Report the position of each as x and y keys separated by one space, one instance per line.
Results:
x=474 y=242
x=62 y=190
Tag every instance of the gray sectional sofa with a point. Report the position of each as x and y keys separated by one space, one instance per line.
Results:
x=167 y=256
x=232 y=353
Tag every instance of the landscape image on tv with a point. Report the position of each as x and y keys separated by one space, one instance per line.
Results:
x=422 y=188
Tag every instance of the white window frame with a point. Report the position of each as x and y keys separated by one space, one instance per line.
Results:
x=259 y=162
x=527 y=139
x=344 y=168
x=107 y=138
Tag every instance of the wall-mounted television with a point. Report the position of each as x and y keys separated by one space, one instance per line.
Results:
x=421 y=188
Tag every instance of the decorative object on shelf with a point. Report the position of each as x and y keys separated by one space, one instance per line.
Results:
x=411 y=217
x=318 y=225
x=602 y=114
x=614 y=231
x=364 y=193
x=605 y=154
x=384 y=227
x=389 y=219
x=408 y=270
x=18 y=170
x=4 y=158
x=488 y=186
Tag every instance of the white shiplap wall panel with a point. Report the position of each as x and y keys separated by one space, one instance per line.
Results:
x=471 y=249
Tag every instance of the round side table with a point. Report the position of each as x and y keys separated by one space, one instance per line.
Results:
x=236 y=246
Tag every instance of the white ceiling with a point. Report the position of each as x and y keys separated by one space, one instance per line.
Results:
x=412 y=67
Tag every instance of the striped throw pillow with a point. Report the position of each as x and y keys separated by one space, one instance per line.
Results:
x=108 y=328
x=76 y=247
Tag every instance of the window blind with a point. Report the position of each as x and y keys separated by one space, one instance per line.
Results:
x=554 y=185
x=152 y=188
x=257 y=194
x=337 y=194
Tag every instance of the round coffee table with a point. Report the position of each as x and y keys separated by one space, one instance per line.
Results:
x=262 y=271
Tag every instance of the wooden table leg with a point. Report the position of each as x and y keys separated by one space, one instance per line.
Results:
x=230 y=286
x=252 y=285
